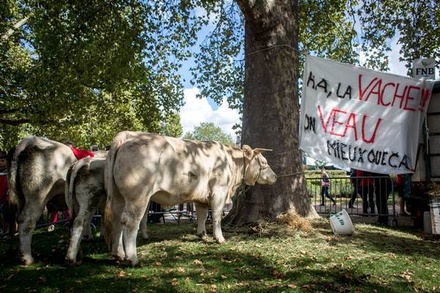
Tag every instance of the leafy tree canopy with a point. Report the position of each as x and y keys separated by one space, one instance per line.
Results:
x=208 y=131
x=85 y=70
x=171 y=126
x=357 y=32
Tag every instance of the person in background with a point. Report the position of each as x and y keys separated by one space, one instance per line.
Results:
x=7 y=219
x=366 y=188
x=325 y=186
x=355 y=182
x=4 y=197
x=400 y=188
x=382 y=188
x=56 y=207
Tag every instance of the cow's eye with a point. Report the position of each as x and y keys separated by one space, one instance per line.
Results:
x=263 y=165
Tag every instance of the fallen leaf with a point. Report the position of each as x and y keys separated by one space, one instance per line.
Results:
x=10 y=277
x=174 y=282
x=406 y=275
x=197 y=262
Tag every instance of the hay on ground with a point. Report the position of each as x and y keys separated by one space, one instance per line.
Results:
x=295 y=221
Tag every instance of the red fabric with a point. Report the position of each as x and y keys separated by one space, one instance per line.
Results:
x=364 y=181
x=3 y=189
x=399 y=179
x=79 y=154
x=53 y=217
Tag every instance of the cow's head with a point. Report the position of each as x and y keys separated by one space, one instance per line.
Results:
x=257 y=170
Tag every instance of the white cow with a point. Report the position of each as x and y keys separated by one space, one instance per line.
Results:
x=37 y=173
x=85 y=194
x=170 y=171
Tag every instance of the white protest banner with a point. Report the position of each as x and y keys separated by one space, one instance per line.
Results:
x=359 y=118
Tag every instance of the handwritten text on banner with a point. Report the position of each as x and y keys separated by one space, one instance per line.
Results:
x=360 y=118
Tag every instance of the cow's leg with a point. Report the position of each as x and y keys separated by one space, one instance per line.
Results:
x=117 y=248
x=88 y=233
x=27 y=221
x=202 y=214
x=216 y=224
x=79 y=226
x=143 y=226
x=131 y=218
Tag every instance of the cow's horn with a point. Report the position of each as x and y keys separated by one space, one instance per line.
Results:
x=262 y=150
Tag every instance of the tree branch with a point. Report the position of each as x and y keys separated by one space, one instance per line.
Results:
x=16 y=26
x=14 y=122
x=9 y=111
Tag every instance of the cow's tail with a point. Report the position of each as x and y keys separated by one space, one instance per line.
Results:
x=68 y=191
x=110 y=187
x=16 y=196
x=70 y=186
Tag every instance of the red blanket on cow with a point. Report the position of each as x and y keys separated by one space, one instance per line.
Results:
x=79 y=154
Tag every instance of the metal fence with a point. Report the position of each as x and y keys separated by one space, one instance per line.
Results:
x=376 y=201
x=341 y=190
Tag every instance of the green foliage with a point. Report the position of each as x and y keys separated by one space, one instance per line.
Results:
x=356 y=32
x=415 y=24
x=88 y=69
x=208 y=131
x=341 y=186
x=327 y=29
x=171 y=126
x=219 y=68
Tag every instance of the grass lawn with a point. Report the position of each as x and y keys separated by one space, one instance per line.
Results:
x=269 y=257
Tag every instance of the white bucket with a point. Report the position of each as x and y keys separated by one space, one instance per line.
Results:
x=435 y=218
x=341 y=223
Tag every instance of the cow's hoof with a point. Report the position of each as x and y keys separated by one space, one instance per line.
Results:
x=27 y=260
x=220 y=240
x=131 y=262
x=70 y=262
x=119 y=259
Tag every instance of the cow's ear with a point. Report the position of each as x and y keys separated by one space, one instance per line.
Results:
x=248 y=152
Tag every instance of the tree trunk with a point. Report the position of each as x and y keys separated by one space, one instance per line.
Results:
x=271 y=110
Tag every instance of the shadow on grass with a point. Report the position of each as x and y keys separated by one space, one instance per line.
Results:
x=174 y=259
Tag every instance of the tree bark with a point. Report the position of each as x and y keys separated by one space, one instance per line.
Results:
x=271 y=110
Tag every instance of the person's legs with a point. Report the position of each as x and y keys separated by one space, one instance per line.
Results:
x=371 y=199
x=364 y=195
x=53 y=219
x=330 y=197
x=382 y=207
x=401 y=194
x=353 y=196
